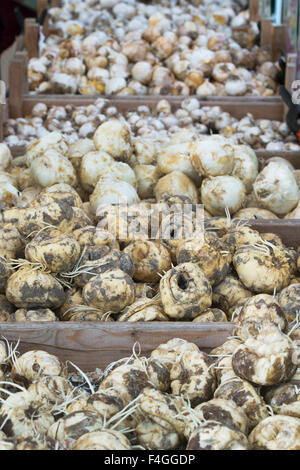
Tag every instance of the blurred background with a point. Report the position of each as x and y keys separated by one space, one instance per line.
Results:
x=11 y=14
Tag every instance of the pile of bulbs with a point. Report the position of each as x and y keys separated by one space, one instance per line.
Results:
x=213 y=170
x=56 y=265
x=81 y=122
x=133 y=48
x=64 y=257
x=243 y=395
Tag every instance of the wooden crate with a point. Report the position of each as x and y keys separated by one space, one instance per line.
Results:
x=92 y=345
x=21 y=100
x=263 y=155
x=128 y=104
x=273 y=38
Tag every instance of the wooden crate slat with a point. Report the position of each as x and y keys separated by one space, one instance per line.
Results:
x=31 y=39
x=266 y=33
x=266 y=108
x=292 y=156
x=287 y=230
x=279 y=41
x=92 y=345
x=97 y=344
x=16 y=85
x=254 y=10
x=55 y=3
x=125 y=105
x=3 y=117
x=291 y=69
x=260 y=110
x=41 y=5
x=20 y=43
x=74 y=99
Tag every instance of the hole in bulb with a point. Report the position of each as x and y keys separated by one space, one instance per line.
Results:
x=182 y=282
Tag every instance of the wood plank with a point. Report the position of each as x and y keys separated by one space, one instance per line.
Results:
x=126 y=104
x=66 y=98
x=20 y=44
x=266 y=34
x=3 y=118
x=18 y=85
x=41 y=5
x=279 y=41
x=290 y=74
x=273 y=38
x=292 y=157
x=287 y=230
x=7 y=56
x=15 y=86
x=55 y=3
x=254 y=10
x=32 y=34
x=91 y=345
x=264 y=108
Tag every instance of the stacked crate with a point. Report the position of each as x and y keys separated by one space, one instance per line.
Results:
x=97 y=344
